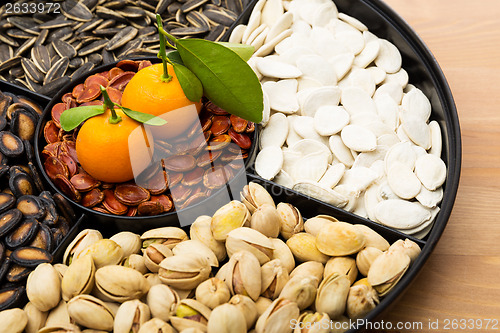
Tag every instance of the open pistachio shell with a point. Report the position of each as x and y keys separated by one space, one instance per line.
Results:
x=266 y=220
x=78 y=278
x=83 y=240
x=291 y=221
x=36 y=318
x=156 y=325
x=340 y=239
x=303 y=247
x=365 y=258
x=162 y=300
x=44 y=287
x=387 y=269
x=300 y=289
x=240 y=275
x=185 y=272
x=213 y=292
x=90 y=312
x=63 y=328
x=190 y=313
x=317 y=322
x=227 y=218
x=169 y=236
x=13 y=320
x=131 y=315
x=314 y=225
x=254 y=195
x=194 y=246
x=277 y=316
x=128 y=241
x=154 y=255
x=104 y=252
x=274 y=277
x=226 y=318
x=361 y=300
x=342 y=266
x=332 y=295
x=58 y=315
x=283 y=253
x=372 y=238
x=200 y=231
x=247 y=239
x=407 y=246
x=120 y=283
x=309 y=268
x=248 y=307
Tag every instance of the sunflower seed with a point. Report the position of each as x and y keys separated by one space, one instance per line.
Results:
x=140 y=52
x=95 y=58
x=162 y=5
x=41 y=57
x=145 y=6
x=192 y=4
x=115 y=4
x=17 y=72
x=217 y=3
x=76 y=62
x=6 y=52
x=61 y=34
x=110 y=32
x=76 y=11
x=40 y=39
x=106 y=24
x=56 y=23
x=52 y=87
x=180 y=17
x=107 y=56
x=121 y=38
x=147 y=31
x=90 y=4
x=18 y=33
x=31 y=71
x=10 y=63
x=64 y=49
x=87 y=26
x=24 y=23
x=92 y=47
x=197 y=19
x=25 y=46
x=221 y=17
x=151 y=39
x=182 y=32
x=42 y=17
x=8 y=40
x=57 y=70
x=173 y=7
x=141 y=22
x=82 y=70
x=109 y=14
x=132 y=12
x=235 y=6
x=217 y=33
x=32 y=85
x=21 y=83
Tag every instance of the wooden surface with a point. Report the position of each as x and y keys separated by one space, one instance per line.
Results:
x=461 y=279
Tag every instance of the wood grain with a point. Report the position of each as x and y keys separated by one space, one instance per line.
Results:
x=461 y=278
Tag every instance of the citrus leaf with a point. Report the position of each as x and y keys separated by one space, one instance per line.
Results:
x=190 y=84
x=227 y=79
x=243 y=50
x=141 y=117
x=72 y=118
x=175 y=57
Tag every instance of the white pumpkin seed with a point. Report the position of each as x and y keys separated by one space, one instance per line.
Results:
x=284 y=22
x=271 y=10
x=327 y=95
x=401 y=152
x=369 y=53
x=324 y=13
x=284 y=179
x=266 y=112
x=342 y=64
x=356 y=100
x=308 y=146
x=330 y=119
x=403 y=181
x=269 y=162
x=417 y=130
x=388 y=110
x=358 y=138
x=275 y=132
x=417 y=104
x=237 y=33
x=253 y=23
x=430 y=199
x=310 y=167
x=353 y=21
x=292 y=137
x=307 y=82
x=282 y=95
x=277 y=69
x=318 y=68
x=388 y=140
x=358 y=178
x=393 y=89
x=332 y=175
x=401 y=214
x=304 y=126
x=321 y=193
x=340 y=151
x=436 y=139
x=258 y=31
x=371 y=200
x=366 y=159
x=268 y=47
x=389 y=58
x=431 y=170
x=377 y=73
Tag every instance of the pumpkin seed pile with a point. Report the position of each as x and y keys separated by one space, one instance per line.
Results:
x=167 y=281
x=33 y=222
x=42 y=52
x=341 y=122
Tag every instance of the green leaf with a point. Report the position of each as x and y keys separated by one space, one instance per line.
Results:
x=141 y=117
x=190 y=84
x=243 y=50
x=228 y=81
x=72 y=118
x=175 y=57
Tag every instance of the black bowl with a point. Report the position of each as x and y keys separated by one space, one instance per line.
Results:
x=425 y=73
x=139 y=224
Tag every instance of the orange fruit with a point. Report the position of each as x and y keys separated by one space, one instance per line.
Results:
x=104 y=149
x=147 y=93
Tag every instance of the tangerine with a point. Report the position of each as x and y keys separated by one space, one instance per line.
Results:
x=147 y=93
x=104 y=149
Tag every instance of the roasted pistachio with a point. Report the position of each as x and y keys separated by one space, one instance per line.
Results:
x=154 y=255
x=274 y=277
x=317 y=322
x=194 y=246
x=128 y=241
x=184 y=272
x=283 y=253
x=90 y=312
x=314 y=225
x=291 y=221
x=277 y=316
x=340 y=239
x=153 y=279
x=248 y=307
x=342 y=266
x=407 y=246
x=372 y=238
x=63 y=328
x=13 y=320
x=262 y=304
x=190 y=314
x=242 y=275
x=135 y=261
x=44 y=287
x=309 y=268
x=83 y=240
x=365 y=258
x=156 y=325
x=200 y=231
x=36 y=318
x=226 y=318
x=169 y=236
x=247 y=239
x=78 y=278
x=361 y=300
x=300 y=289
x=303 y=247
x=120 y=283
x=104 y=252
x=266 y=220
x=58 y=315
x=227 y=218
x=332 y=295
x=387 y=269
x=131 y=315
x=162 y=300
x=254 y=195
x=212 y=292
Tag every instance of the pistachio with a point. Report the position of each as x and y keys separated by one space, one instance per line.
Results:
x=229 y=217
x=156 y=325
x=194 y=246
x=248 y=307
x=190 y=313
x=79 y=278
x=291 y=221
x=309 y=268
x=83 y=240
x=36 y=318
x=243 y=275
x=226 y=318
x=128 y=241
x=120 y=283
x=254 y=195
x=137 y=262
x=283 y=253
x=361 y=300
x=373 y=238
x=200 y=231
x=154 y=255
x=317 y=322
x=184 y=272
x=162 y=301
x=58 y=315
x=266 y=220
x=303 y=247
x=274 y=278
x=387 y=269
x=184 y=293
x=262 y=304
x=191 y=330
x=61 y=269
x=104 y=252
x=153 y=279
x=340 y=239
x=407 y=246
x=314 y=224
x=365 y=258
x=342 y=266
x=63 y=328
x=130 y=317
x=44 y=287
x=169 y=236
x=246 y=239
x=213 y=292
x=13 y=320
x=91 y=312
x=332 y=295
x=277 y=317
x=300 y=289
x=222 y=272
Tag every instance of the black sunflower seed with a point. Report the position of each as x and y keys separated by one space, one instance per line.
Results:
x=217 y=33
x=162 y=5
x=82 y=70
x=92 y=47
x=31 y=70
x=192 y=4
x=181 y=32
x=76 y=11
x=41 y=57
x=57 y=70
x=8 y=64
x=56 y=23
x=64 y=49
x=40 y=39
x=18 y=33
x=25 y=46
x=90 y=25
x=61 y=34
x=121 y=38
x=53 y=86
x=75 y=62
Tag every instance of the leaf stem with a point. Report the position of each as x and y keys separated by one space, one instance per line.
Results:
x=162 y=53
x=108 y=104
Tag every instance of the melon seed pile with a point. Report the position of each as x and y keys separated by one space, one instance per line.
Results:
x=162 y=281
x=341 y=123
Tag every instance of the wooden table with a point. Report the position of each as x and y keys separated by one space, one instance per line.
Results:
x=461 y=279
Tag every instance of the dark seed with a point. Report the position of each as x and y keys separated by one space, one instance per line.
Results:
x=132 y=12
x=23 y=124
x=173 y=7
x=24 y=23
x=42 y=17
x=43 y=239
x=92 y=47
x=90 y=4
x=21 y=184
x=35 y=175
x=31 y=206
x=10 y=144
x=61 y=34
x=89 y=26
x=57 y=70
x=53 y=86
x=41 y=58
x=162 y=5
x=95 y=58
x=216 y=33
x=106 y=24
x=181 y=32
x=17 y=273
x=115 y=4
x=192 y=4
x=31 y=70
x=9 y=220
x=7 y=40
x=16 y=72
x=107 y=57
x=109 y=14
x=222 y=17
x=18 y=33
x=75 y=62
x=7 y=201
x=12 y=62
x=64 y=207
x=23 y=234
x=108 y=32
x=121 y=38
x=12 y=296
x=64 y=49
x=6 y=52
x=51 y=215
x=25 y=46
x=56 y=23
x=76 y=11
x=197 y=19
x=30 y=256
x=82 y=70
